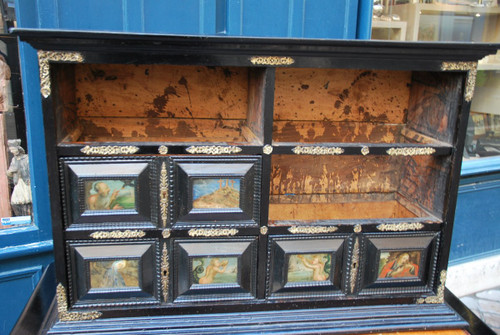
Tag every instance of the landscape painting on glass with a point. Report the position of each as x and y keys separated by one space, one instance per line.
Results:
x=110 y=194
x=216 y=193
x=112 y=274
x=215 y=270
x=399 y=264
x=309 y=267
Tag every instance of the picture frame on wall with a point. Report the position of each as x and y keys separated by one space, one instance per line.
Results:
x=402 y=263
x=301 y=267
x=220 y=191
x=113 y=273
x=104 y=192
x=215 y=269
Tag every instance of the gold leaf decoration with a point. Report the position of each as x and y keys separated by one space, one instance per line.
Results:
x=272 y=60
x=213 y=149
x=163 y=150
x=44 y=59
x=264 y=230
x=165 y=272
x=357 y=228
x=365 y=150
x=471 y=67
x=109 y=150
x=439 y=297
x=400 y=226
x=164 y=194
x=166 y=233
x=317 y=150
x=98 y=235
x=410 y=151
x=268 y=149
x=211 y=232
x=62 y=308
x=312 y=229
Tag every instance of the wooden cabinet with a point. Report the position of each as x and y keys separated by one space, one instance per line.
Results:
x=198 y=175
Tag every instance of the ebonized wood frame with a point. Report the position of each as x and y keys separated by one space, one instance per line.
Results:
x=282 y=248
x=186 y=170
x=144 y=254
x=425 y=245
x=140 y=172
x=186 y=251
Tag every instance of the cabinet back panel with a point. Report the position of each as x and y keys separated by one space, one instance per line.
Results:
x=341 y=95
x=161 y=91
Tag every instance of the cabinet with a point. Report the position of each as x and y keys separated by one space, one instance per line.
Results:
x=198 y=175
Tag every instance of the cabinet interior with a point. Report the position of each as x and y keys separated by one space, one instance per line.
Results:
x=370 y=106
x=309 y=189
x=158 y=103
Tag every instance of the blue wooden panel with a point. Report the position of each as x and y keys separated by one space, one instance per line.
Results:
x=264 y=18
x=16 y=287
x=476 y=233
x=330 y=19
x=169 y=16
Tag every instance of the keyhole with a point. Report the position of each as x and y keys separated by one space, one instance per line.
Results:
x=354 y=265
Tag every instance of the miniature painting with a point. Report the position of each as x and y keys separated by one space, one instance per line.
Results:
x=309 y=267
x=399 y=264
x=216 y=193
x=215 y=270
x=114 y=273
x=110 y=194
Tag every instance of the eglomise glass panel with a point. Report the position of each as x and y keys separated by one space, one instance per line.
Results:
x=319 y=189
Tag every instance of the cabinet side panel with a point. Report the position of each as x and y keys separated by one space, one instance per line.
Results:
x=434 y=104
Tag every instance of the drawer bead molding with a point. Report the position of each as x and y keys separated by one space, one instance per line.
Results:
x=163 y=150
x=211 y=232
x=264 y=230
x=471 y=67
x=213 y=149
x=365 y=150
x=62 y=309
x=109 y=150
x=164 y=194
x=44 y=59
x=410 y=151
x=317 y=150
x=272 y=60
x=354 y=265
x=98 y=235
x=439 y=297
x=268 y=149
x=166 y=233
x=312 y=229
x=165 y=272
x=400 y=226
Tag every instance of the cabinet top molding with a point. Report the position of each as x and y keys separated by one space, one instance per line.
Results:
x=240 y=50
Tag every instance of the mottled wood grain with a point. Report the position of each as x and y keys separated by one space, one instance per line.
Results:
x=341 y=95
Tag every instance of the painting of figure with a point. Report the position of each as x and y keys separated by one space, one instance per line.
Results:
x=216 y=193
x=399 y=264
x=114 y=273
x=309 y=267
x=215 y=270
x=110 y=194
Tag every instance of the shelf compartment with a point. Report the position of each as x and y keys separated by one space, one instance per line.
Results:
x=309 y=189
x=158 y=103
x=353 y=106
